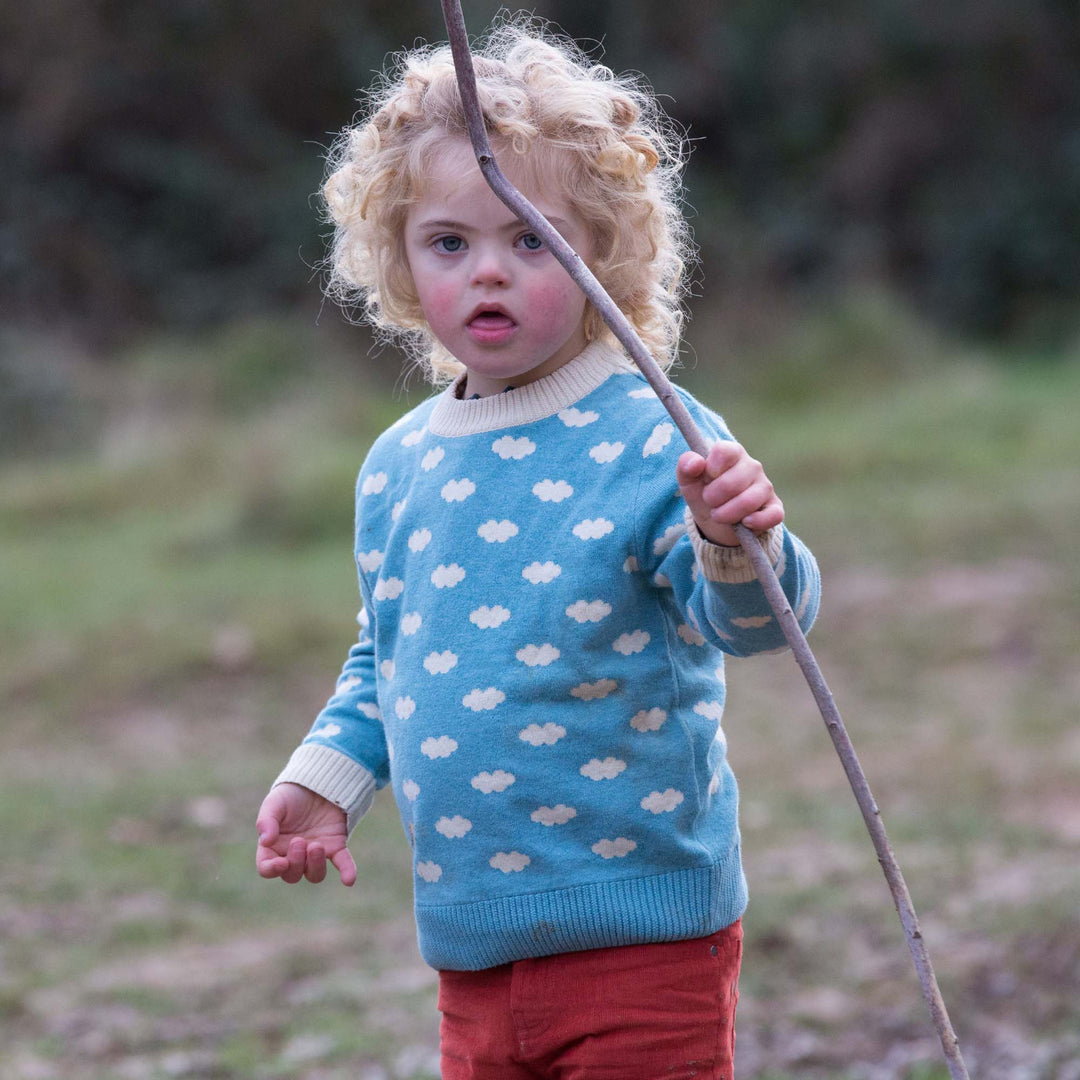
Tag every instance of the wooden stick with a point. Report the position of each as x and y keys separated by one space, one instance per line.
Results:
x=620 y=326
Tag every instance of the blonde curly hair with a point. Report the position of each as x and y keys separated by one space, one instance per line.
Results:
x=619 y=162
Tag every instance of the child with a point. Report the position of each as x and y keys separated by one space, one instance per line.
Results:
x=549 y=587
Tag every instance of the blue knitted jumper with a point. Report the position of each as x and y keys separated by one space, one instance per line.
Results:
x=540 y=669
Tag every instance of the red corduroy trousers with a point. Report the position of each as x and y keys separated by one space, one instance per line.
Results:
x=637 y=1012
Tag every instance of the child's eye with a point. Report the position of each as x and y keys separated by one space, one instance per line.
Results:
x=531 y=242
x=450 y=245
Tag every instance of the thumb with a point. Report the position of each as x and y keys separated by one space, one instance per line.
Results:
x=346 y=867
x=268 y=823
x=691 y=477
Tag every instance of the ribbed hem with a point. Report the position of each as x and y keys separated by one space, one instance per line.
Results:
x=731 y=565
x=666 y=907
x=334 y=776
x=533 y=401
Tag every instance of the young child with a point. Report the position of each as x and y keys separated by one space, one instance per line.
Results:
x=550 y=582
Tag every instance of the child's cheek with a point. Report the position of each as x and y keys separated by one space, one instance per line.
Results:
x=439 y=303
x=555 y=303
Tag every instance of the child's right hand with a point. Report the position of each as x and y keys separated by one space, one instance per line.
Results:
x=298 y=832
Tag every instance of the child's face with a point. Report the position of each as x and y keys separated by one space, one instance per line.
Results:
x=490 y=290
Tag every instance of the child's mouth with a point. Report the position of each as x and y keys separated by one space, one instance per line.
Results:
x=491 y=327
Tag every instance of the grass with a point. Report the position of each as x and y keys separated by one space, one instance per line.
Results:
x=178 y=590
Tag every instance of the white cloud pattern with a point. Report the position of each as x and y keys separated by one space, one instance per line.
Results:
x=542 y=734
x=509 y=862
x=751 y=622
x=538 y=655
x=453 y=828
x=660 y=437
x=497 y=532
x=373 y=485
x=429 y=871
x=541 y=573
x=587 y=691
x=369 y=561
x=410 y=623
x=439 y=663
x=578 y=417
x=369 y=709
x=604 y=452
x=404 y=707
x=584 y=611
x=662 y=802
x=614 y=849
x=327 y=731
x=607 y=769
x=552 y=490
x=386 y=669
x=711 y=710
x=663 y=544
x=628 y=644
x=559 y=814
x=388 y=588
x=457 y=490
x=413 y=437
x=432 y=458
x=648 y=720
x=441 y=747
x=446 y=577
x=593 y=528
x=483 y=700
x=487 y=618
x=487 y=782
x=419 y=540
x=690 y=635
x=510 y=448
x=410 y=789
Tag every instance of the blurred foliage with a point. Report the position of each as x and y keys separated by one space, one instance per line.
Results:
x=160 y=157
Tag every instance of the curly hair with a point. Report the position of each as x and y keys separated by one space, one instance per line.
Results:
x=619 y=161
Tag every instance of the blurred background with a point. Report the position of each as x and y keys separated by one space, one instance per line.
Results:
x=886 y=196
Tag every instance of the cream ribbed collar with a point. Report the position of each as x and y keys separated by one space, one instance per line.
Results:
x=533 y=401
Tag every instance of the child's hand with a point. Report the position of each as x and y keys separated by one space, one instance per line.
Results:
x=725 y=488
x=298 y=832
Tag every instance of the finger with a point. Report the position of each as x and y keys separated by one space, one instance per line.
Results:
x=722 y=455
x=343 y=860
x=269 y=864
x=753 y=499
x=690 y=467
x=731 y=483
x=295 y=857
x=768 y=517
x=268 y=827
x=315 y=867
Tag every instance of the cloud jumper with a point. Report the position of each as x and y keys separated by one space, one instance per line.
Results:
x=539 y=676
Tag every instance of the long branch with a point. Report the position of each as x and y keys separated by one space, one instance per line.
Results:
x=620 y=326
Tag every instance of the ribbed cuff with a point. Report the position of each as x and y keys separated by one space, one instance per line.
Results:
x=731 y=565
x=334 y=776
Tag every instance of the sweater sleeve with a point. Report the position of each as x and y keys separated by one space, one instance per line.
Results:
x=714 y=585
x=345 y=755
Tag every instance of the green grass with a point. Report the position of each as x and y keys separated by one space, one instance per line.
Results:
x=178 y=593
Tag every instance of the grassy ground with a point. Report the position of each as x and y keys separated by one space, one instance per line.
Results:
x=177 y=594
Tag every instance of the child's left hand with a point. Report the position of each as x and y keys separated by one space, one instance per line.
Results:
x=725 y=488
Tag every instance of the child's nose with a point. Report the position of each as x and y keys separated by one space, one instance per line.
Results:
x=490 y=268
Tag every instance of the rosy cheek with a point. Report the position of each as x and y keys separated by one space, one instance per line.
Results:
x=553 y=302
x=438 y=302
